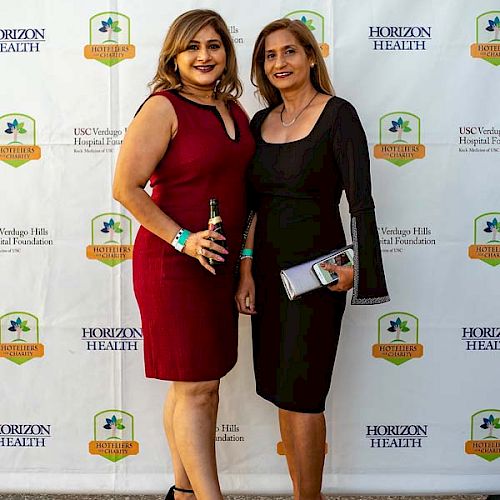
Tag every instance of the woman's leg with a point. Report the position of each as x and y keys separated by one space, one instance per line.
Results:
x=193 y=422
x=180 y=475
x=304 y=438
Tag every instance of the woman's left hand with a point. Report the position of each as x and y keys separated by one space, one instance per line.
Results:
x=245 y=295
x=345 y=274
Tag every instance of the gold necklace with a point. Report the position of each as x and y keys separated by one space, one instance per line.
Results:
x=289 y=124
x=212 y=94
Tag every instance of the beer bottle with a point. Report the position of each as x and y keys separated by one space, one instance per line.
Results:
x=215 y=224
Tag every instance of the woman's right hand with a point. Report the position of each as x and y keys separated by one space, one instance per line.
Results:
x=200 y=247
x=245 y=295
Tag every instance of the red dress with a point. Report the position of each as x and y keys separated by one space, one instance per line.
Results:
x=189 y=318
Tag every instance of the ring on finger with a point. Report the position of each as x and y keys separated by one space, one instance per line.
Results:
x=199 y=251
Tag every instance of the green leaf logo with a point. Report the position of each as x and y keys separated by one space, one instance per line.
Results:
x=110 y=27
x=490 y=423
x=14 y=129
x=399 y=127
x=19 y=327
x=398 y=327
x=308 y=23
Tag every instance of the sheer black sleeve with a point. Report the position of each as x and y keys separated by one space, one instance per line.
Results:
x=251 y=195
x=353 y=161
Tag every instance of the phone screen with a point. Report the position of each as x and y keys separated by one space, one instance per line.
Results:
x=326 y=277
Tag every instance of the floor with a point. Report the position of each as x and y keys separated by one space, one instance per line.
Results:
x=228 y=497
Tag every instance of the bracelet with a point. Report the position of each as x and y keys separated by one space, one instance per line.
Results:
x=246 y=253
x=180 y=239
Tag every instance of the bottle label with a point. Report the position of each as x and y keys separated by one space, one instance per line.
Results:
x=215 y=220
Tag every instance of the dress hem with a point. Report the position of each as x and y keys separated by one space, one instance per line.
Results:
x=188 y=379
x=289 y=406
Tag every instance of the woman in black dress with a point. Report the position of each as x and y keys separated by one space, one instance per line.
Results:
x=310 y=147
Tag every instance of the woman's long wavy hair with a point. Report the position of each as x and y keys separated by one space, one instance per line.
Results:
x=180 y=33
x=319 y=74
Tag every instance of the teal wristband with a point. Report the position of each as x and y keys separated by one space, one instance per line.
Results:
x=180 y=239
x=184 y=236
x=247 y=252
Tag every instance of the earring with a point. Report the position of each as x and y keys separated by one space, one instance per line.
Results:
x=215 y=89
x=175 y=65
x=312 y=65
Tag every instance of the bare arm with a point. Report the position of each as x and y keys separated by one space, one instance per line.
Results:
x=139 y=154
x=245 y=295
x=246 y=264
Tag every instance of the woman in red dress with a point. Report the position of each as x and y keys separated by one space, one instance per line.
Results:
x=191 y=141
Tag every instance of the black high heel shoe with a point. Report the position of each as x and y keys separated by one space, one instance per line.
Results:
x=173 y=489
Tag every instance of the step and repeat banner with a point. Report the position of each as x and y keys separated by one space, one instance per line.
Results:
x=413 y=407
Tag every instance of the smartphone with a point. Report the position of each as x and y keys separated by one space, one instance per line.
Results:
x=345 y=258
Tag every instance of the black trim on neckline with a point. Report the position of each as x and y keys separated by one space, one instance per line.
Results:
x=215 y=111
x=235 y=123
x=184 y=98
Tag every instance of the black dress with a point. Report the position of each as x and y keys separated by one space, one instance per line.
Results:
x=296 y=189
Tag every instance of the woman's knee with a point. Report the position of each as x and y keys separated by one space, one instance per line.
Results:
x=201 y=392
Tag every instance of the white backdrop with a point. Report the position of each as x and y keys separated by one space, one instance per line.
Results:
x=415 y=379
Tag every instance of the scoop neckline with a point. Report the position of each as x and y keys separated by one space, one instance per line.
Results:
x=302 y=138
